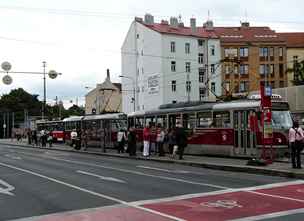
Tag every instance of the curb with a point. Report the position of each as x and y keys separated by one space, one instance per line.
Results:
x=232 y=168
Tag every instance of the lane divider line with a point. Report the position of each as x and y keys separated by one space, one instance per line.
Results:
x=90 y=192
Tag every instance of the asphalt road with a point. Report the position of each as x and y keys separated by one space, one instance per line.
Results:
x=37 y=182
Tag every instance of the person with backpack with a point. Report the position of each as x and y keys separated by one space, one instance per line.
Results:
x=296 y=138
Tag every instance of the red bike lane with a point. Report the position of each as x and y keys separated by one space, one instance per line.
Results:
x=230 y=205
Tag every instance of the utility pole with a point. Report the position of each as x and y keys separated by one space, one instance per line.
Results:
x=44 y=90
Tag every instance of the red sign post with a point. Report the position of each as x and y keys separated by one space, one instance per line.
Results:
x=267 y=137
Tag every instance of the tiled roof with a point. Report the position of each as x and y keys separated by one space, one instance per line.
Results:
x=294 y=39
x=184 y=31
x=247 y=34
x=226 y=34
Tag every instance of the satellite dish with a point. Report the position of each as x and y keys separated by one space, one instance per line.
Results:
x=6 y=66
x=7 y=80
x=53 y=74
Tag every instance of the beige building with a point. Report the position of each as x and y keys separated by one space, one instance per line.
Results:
x=295 y=51
x=106 y=97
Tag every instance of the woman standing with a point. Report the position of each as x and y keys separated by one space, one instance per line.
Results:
x=146 y=138
x=171 y=140
x=132 y=142
x=296 y=136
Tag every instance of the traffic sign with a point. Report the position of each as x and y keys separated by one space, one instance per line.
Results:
x=6 y=66
x=7 y=79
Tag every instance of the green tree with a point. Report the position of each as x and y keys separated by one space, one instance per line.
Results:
x=298 y=71
x=76 y=111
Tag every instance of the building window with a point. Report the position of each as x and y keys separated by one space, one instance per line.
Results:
x=263 y=69
x=143 y=107
x=200 y=42
x=142 y=70
x=143 y=89
x=173 y=66
x=243 y=52
x=188 y=86
x=137 y=36
x=212 y=50
x=213 y=87
x=271 y=52
x=281 y=70
x=200 y=58
x=227 y=69
x=201 y=74
x=187 y=48
x=244 y=69
x=227 y=86
x=281 y=52
x=173 y=86
x=172 y=46
x=282 y=84
x=202 y=93
x=271 y=70
x=295 y=58
x=264 y=52
x=188 y=69
x=212 y=68
x=231 y=52
x=236 y=69
x=272 y=84
x=243 y=86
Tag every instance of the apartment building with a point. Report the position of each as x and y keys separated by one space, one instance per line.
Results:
x=251 y=55
x=295 y=52
x=168 y=62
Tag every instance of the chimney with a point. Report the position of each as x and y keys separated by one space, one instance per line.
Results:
x=245 y=24
x=149 y=19
x=108 y=74
x=138 y=19
x=208 y=25
x=193 y=24
x=174 y=22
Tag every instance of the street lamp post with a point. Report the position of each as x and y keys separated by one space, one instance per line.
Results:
x=6 y=66
x=133 y=82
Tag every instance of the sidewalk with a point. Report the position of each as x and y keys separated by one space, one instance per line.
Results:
x=280 y=168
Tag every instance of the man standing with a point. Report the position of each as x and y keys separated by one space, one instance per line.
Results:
x=121 y=138
x=181 y=139
x=132 y=142
x=296 y=136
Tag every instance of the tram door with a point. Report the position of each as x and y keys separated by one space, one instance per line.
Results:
x=241 y=133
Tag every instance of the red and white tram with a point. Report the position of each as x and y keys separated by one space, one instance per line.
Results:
x=221 y=128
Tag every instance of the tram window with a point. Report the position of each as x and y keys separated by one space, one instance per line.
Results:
x=221 y=119
x=139 y=123
x=189 y=121
x=204 y=119
x=281 y=119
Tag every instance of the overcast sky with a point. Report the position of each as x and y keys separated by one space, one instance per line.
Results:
x=82 y=38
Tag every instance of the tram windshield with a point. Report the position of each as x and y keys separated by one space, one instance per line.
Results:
x=281 y=119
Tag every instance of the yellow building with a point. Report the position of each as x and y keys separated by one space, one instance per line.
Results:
x=106 y=97
x=295 y=51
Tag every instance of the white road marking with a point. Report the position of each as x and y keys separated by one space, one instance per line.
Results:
x=13 y=157
x=130 y=171
x=7 y=188
x=161 y=169
x=196 y=195
x=271 y=215
x=89 y=191
x=101 y=177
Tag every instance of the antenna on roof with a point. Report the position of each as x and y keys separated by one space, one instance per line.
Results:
x=246 y=16
x=179 y=18
x=208 y=14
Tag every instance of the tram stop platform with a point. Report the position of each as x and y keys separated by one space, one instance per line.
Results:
x=280 y=167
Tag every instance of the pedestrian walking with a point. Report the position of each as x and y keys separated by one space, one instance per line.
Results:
x=132 y=142
x=181 y=139
x=121 y=139
x=84 y=139
x=146 y=139
x=171 y=140
x=296 y=138
x=160 y=137
x=35 y=137
x=50 y=139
